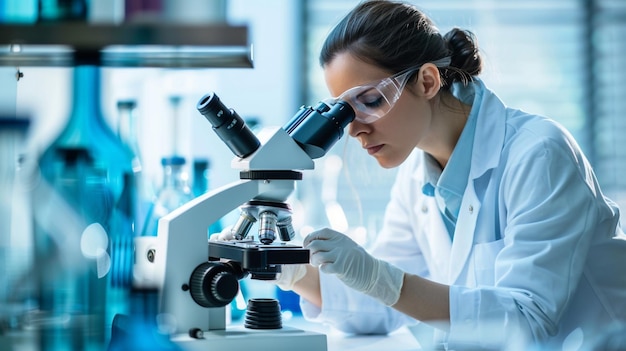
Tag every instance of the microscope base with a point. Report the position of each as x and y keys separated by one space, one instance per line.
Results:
x=240 y=338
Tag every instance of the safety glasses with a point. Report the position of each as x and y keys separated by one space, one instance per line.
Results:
x=373 y=101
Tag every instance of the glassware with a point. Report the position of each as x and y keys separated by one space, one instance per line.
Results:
x=201 y=184
x=173 y=193
x=83 y=226
x=14 y=240
x=127 y=131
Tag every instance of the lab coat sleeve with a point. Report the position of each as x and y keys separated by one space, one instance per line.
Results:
x=353 y=312
x=553 y=207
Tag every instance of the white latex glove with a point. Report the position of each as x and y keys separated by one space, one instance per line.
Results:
x=336 y=253
x=290 y=274
x=225 y=235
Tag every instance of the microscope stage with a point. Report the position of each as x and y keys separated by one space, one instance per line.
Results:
x=252 y=254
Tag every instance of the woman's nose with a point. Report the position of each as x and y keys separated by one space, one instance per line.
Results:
x=355 y=128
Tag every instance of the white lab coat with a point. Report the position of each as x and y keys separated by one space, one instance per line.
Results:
x=537 y=250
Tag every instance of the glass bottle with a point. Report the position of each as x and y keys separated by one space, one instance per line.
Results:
x=139 y=328
x=174 y=192
x=127 y=131
x=201 y=184
x=83 y=234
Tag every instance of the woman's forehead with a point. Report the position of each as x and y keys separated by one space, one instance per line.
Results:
x=345 y=71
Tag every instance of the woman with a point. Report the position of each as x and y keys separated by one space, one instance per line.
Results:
x=496 y=223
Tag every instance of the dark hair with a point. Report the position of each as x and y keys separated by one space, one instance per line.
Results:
x=396 y=36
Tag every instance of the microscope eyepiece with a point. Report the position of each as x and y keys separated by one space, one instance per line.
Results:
x=228 y=125
x=317 y=129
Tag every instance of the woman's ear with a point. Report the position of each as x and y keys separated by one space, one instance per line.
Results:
x=428 y=81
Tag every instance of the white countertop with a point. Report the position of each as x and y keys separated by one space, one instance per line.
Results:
x=400 y=340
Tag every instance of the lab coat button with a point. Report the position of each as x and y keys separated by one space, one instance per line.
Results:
x=424 y=208
x=471 y=209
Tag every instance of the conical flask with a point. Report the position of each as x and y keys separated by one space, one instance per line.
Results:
x=174 y=192
x=83 y=225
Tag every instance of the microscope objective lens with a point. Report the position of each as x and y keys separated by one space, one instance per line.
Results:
x=267 y=227
x=241 y=229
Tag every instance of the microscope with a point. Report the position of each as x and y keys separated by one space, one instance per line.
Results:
x=197 y=278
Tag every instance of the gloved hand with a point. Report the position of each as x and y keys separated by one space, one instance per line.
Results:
x=336 y=253
x=225 y=235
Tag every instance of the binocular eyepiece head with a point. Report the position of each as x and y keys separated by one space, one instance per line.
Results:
x=316 y=130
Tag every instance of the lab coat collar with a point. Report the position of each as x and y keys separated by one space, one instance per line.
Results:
x=490 y=129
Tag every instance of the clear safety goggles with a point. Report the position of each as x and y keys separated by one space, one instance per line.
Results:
x=373 y=101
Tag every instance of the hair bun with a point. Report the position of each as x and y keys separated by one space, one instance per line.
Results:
x=464 y=53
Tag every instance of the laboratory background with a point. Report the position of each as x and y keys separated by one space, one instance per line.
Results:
x=560 y=58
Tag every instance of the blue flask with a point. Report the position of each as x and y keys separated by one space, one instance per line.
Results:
x=83 y=225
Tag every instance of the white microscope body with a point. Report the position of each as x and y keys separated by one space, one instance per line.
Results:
x=178 y=261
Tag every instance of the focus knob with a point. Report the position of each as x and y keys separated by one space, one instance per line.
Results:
x=213 y=284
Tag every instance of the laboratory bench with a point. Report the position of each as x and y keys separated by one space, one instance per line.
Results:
x=399 y=340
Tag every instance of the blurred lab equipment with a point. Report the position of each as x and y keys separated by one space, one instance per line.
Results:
x=15 y=234
x=201 y=184
x=174 y=124
x=81 y=194
x=62 y=10
x=174 y=192
x=127 y=129
x=83 y=225
x=195 y=290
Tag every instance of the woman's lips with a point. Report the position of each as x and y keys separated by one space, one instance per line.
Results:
x=373 y=149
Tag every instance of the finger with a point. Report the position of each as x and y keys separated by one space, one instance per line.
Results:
x=328 y=268
x=323 y=234
x=225 y=235
x=311 y=237
x=318 y=258
x=320 y=246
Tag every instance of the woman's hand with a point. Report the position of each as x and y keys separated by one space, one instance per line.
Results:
x=337 y=254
